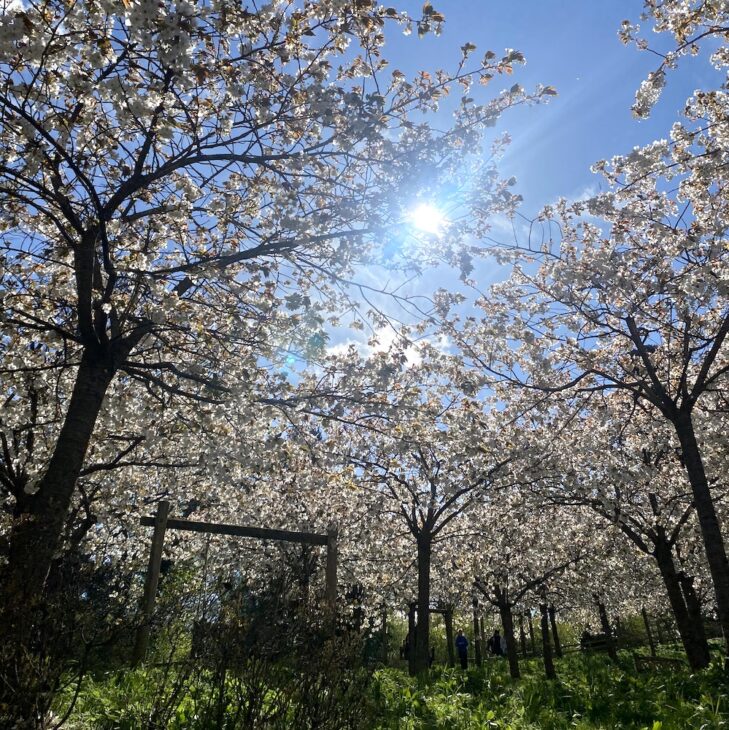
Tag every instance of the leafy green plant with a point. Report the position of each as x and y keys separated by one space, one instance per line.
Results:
x=591 y=693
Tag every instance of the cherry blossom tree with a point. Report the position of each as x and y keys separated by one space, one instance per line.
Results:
x=620 y=463
x=518 y=550
x=427 y=460
x=184 y=189
x=637 y=305
x=691 y=24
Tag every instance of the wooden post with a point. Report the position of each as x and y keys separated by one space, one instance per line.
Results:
x=151 y=581
x=648 y=631
x=331 y=569
x=476 y=638
x=448 y=615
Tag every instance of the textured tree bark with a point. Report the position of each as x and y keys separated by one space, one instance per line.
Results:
x=35 y=537
x=549 y=669
x=708 y=521
x=507 y=623
x=555 y=635
x=696 y=619
x=697 y=655
x=422 y=635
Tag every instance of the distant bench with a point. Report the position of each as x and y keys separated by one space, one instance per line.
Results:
x=643 y=662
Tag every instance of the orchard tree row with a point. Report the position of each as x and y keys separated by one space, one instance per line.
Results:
x=191 y=197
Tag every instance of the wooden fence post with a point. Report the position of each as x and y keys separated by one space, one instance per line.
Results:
x=151 y=581
x=331 y=569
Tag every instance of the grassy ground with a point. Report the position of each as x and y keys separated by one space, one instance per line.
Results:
x=591 y=692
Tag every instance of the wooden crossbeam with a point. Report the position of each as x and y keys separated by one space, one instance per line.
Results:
x=217 y=528
x=161 y=523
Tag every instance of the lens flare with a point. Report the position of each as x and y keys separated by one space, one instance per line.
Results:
x=428 y=218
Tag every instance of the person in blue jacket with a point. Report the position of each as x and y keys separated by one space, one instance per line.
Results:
x=462 y=649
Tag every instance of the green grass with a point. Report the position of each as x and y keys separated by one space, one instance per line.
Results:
x=591 y=692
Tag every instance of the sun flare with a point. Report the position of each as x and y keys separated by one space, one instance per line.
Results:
x=428 y=218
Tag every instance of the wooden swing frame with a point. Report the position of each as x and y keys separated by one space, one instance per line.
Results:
x=161 y=522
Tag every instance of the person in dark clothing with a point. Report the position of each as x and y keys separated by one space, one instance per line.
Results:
x=462 y=649
x=405 y=648
x=494 y=644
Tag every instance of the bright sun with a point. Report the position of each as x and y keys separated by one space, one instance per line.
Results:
x=428 y=218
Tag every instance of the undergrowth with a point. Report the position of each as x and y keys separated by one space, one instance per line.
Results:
x=590 y=692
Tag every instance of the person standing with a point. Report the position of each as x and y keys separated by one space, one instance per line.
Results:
x=494 y=645
x=462 y=649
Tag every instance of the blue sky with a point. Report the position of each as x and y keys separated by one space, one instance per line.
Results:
x=573 y=46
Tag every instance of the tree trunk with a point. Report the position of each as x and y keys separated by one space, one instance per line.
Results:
x=546 y=647
x=696 y=619
x=555 y=635
x=531 y=636
x=412 y=632
x=476 y=635
x=35 y=538
x=522 y=636
x=648 y=632
x=710 y=529
x=422 y=635
x=507 y=623
x=697 y=655
x=606 y=629
x=449 y=637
